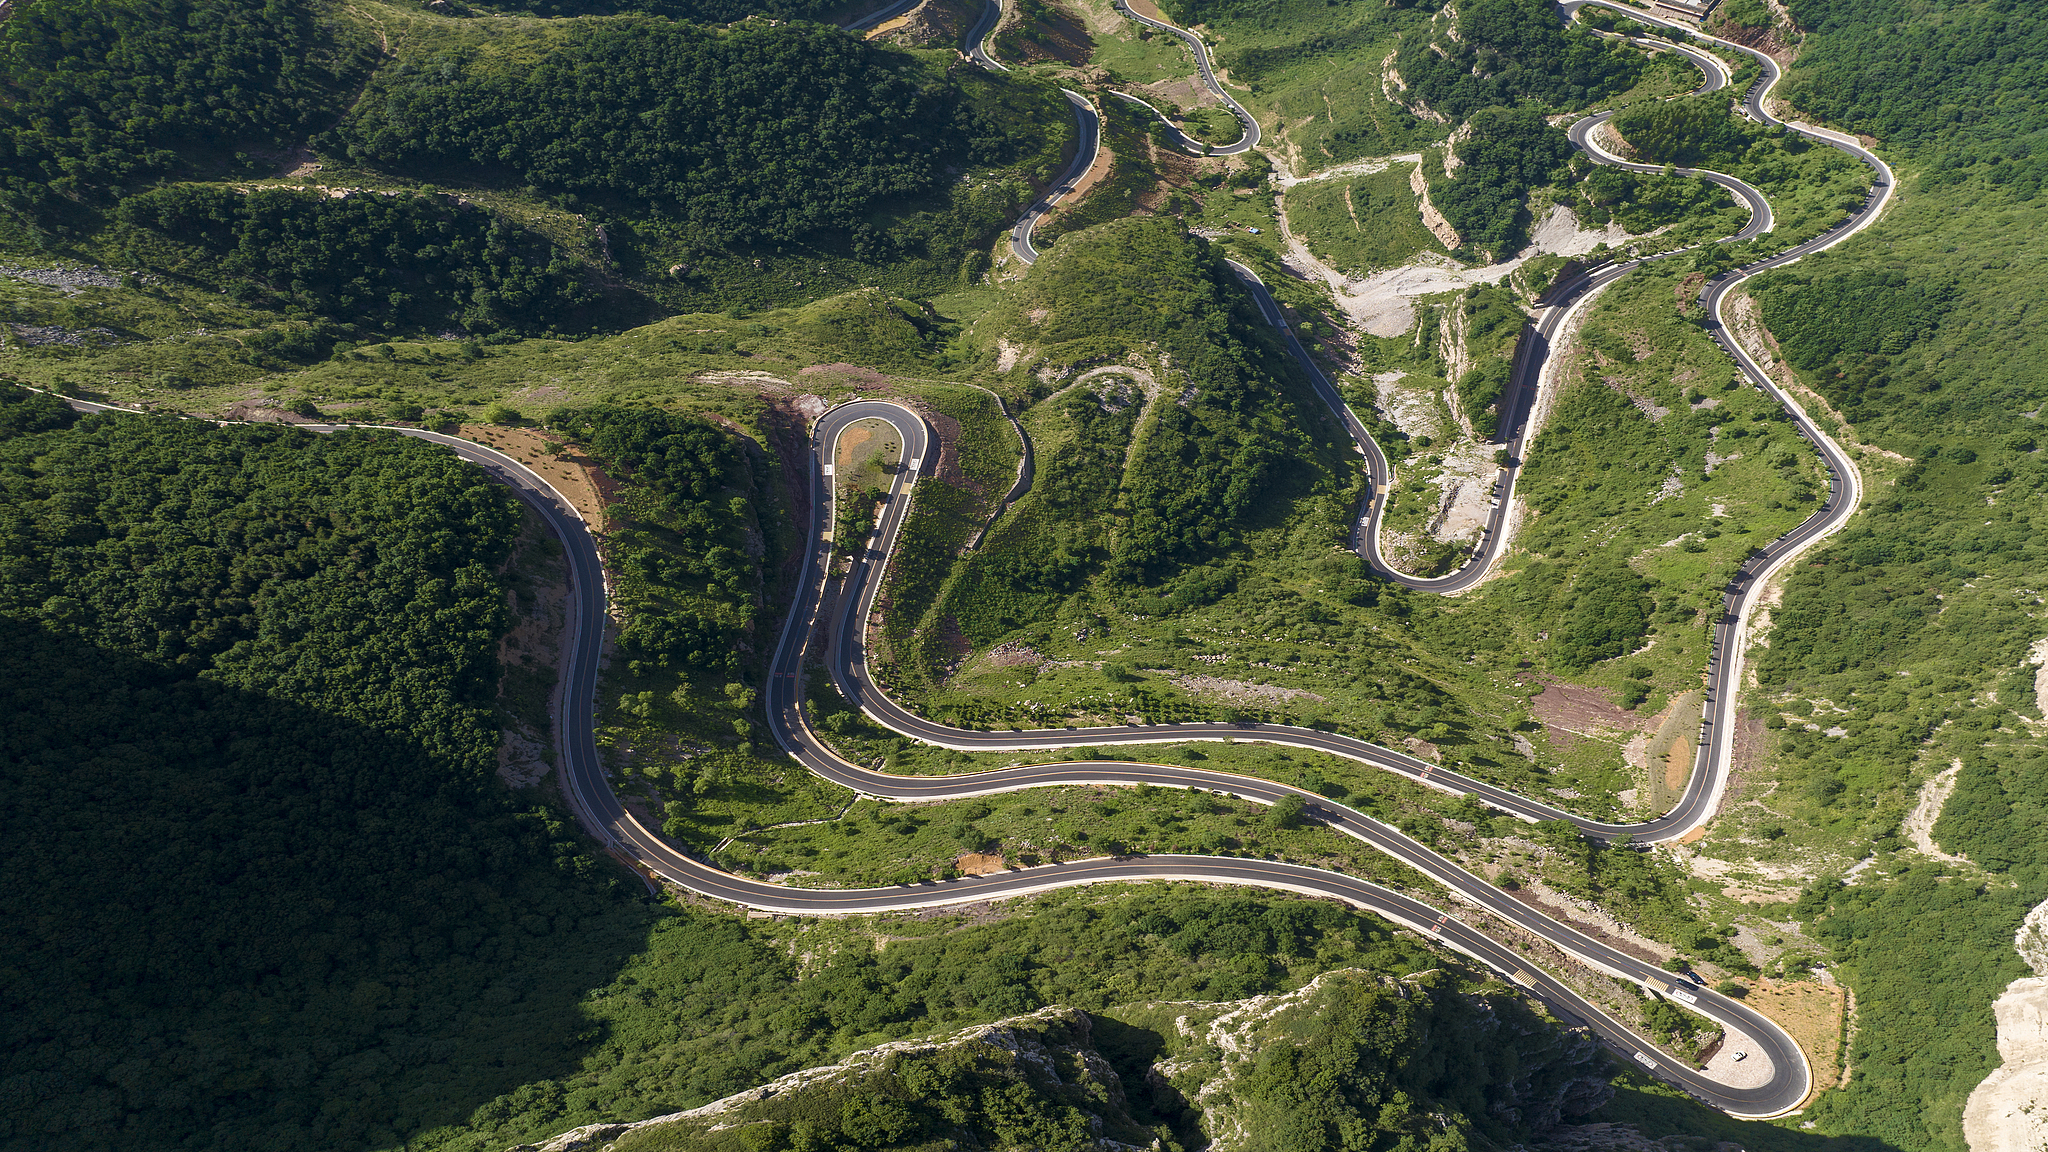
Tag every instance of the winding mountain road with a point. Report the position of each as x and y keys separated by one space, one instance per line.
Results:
x=829 y=615
x=1248 y=137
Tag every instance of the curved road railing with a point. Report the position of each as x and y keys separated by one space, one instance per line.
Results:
x=830 y=614
x=834 y=612
x=845 y=649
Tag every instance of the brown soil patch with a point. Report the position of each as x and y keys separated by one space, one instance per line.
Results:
x=1148 y=9
x=1594 y=930
x=1678 y=765
x=262 y=412
x=948 y=471
x=1688 y=290
x=578 y=478
x=1769 y=41
x=1062 y=37
x=978 y=864
x=1811 y=1013
x=932 y=24
x=851 y=439
x=1097 y=172
x=1694 y=836
x=1580 y=711
x=1749 y=755
x=888 y=26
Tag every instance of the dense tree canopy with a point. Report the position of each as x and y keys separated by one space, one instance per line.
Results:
x=368 y=258
x=690 y=565
x=1509 y=151
x=702 y=11
x=1508 y=50
x=1690 y=131
x=1962 y=76
x=1609 y=615
x=724 y=134
x=1860 y=313
x=99 y=93
x=263 y=888
x=1209 y=460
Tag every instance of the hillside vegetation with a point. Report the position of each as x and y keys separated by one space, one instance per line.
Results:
x=265 y=889
x=1910 y=633
x=103 y=95
x=1507 y=51
x=704 y=126
x=603 y=162
x=1143 y=470
x=1392 y=1061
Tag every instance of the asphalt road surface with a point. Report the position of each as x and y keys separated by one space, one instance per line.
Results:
x=826 y=620
x=1248 y=126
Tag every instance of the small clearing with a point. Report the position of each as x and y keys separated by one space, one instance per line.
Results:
x=1569 y=713
x=1240 y=691
x=577 y=478
x=1383 y=303
x=1811 y=1013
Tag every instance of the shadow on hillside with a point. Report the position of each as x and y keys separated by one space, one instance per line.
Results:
x=236 y=922
x=1686 y=1125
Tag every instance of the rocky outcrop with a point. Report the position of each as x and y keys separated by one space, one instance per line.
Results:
x=1229 y=1068
x=2009 y=1111
x=1050 y=1051
x=1532 y=1073
x=1431 y=218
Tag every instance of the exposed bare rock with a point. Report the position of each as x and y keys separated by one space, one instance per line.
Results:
x=2006 y=1113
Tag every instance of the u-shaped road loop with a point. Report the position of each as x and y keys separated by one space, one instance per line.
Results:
x=842 y=633
x=827 y=621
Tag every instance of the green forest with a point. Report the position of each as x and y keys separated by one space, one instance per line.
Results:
x=382 y=261
x=695 y=163
x=101 y=96
x=720 y=138
x=269 y=889
x=1509 y=151
x=1203 y=469
x=1508 y=51
x=285 y=904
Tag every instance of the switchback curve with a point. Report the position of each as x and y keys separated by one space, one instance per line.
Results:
x=596 y=806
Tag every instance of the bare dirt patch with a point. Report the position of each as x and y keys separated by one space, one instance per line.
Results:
x=578 y=478
x=1811 y=1013
x=932 y=24
x=1677 y=767
x=981 y=864
x=1586 y=924
x=1012 y=654
x=1097 y=172
x=262 y=412
x=1579 y=711
x=1240 y=691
